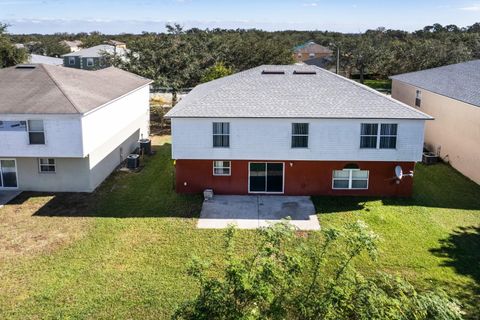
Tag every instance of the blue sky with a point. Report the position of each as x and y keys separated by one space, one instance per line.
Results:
x=48 y=16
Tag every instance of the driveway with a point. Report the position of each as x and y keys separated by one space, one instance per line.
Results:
x=7 y=196
x=251 y=212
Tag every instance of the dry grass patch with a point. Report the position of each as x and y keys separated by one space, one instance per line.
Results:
x=27 y=228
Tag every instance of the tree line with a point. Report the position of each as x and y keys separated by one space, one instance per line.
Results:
x=181 y=58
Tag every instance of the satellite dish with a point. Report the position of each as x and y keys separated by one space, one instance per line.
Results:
x=398 y=172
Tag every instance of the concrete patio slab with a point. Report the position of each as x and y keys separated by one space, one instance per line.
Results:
x=251 y=212
x=6 y=196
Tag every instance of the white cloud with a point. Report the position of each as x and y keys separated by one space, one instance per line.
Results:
x=310 y=4
x=473 y=7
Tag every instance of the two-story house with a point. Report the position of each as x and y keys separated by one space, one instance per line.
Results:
x=294 y=130
x=311 y=50
x=64 y=129
x=93 y=58
x=450 y=94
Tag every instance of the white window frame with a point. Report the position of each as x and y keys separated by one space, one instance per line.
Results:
x=71 y=61
x=221 y=134
x=16 y=175
x=379 y=135
x=300 y=135
x=350 y=179
x=222 y=167
x=31 y=131
x=92 y=62
x=311 y=55
x=40 y=165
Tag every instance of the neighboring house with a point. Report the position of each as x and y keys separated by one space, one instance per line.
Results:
x=118 y=44
x=309 y=51
x=450 y=94
x=37 y=58
x=74 y=45
x=294 y=130
x=92 y=58
x=64 y=129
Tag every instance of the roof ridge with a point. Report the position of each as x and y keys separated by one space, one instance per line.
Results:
x=367 y=88
x=60 y=88
x=434 y=68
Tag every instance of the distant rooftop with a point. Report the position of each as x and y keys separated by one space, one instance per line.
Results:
x=459 y=81
x=48 y=89
x=289 y=91
x=96 y=51
x=36 y=58
x=311 y=47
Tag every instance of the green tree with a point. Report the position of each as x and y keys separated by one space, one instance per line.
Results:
x=218 y=70
x=290 y=277
x=9 y=54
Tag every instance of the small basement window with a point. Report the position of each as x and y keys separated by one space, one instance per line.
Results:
x=222 y=168
x=46 y=165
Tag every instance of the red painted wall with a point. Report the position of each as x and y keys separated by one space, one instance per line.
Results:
x=301 y=178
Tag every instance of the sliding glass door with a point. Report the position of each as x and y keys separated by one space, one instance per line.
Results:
x=266 y=177
x=8 y=174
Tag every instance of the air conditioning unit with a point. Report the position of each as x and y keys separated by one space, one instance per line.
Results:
x=207 y=194
x=429 y=158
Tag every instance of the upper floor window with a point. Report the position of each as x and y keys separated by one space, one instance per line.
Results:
x=221 y=134
x=418 y=98
x=375 y=136
x=13 y=126
x=388 y=136
x=71 y=60
x=368 y=135
x=36 y=133
x=90 y=62
x=299 y=135
x=311 y=55
x=46 y=165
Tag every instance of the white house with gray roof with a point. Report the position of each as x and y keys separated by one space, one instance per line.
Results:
x=294 y=130
x=450 y=94
x=64 y=129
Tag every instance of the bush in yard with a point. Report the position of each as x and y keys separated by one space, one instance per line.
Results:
x=287 y=277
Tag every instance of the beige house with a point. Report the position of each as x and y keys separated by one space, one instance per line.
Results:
x=450 y=94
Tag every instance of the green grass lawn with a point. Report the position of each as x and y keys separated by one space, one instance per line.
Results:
x=130 y=260
x=379 y=84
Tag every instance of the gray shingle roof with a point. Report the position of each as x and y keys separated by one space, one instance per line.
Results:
x=459 y=81
x=96 y=51
x=48 y=89
x=36 y=58
x=251 y=94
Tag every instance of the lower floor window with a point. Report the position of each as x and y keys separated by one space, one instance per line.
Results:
x=350 y=179
x=221 y=168
x=46 y=165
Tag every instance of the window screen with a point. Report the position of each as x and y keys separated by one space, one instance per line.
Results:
x=221 y=134
x=368 y=135
x=388 y=136
x=299 y=135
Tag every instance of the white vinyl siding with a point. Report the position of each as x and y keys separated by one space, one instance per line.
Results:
x=270 y=139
